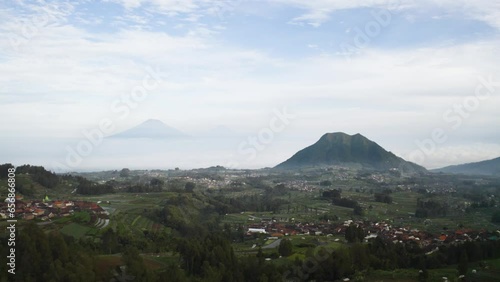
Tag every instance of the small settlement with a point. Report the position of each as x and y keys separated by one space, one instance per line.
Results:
x=47 y=209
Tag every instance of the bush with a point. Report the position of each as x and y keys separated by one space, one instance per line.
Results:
x=495 y=218
x=285 y=248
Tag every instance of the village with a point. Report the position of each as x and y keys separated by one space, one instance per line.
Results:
x=385 y=231
x=47 y=209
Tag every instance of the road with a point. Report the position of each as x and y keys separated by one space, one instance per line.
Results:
x=273 y=245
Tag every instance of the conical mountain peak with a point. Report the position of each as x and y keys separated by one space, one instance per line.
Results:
x=339 y=148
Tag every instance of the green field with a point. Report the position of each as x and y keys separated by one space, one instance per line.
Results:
x=76 y=230
x=127 y=210
x=489 y=274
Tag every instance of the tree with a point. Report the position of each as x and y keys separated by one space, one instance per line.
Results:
x=350 y=234
x=463 y=263
x=495 y=218
x=354 y=234
x=383 y=198
x=46 y=257
x=4 y=170
x=332 y=194
x=260 y=256
x=39 y=174
x=189 y=187
x=109 y=241
x=423 y=275
x=87 y=187
x=326 y=183
x=285 y=248
x=172 y=273
x=155 y=182
x=125 y=172
x=358 y=210
x=135 y=264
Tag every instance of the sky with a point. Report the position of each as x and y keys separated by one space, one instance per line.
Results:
x=420 y=78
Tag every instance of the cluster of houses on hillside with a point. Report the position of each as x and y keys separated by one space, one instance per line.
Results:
x=372 y=230
x=46 y=209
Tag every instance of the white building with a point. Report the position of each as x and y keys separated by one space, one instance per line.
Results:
x=256 y=230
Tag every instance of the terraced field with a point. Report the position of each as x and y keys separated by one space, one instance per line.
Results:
x=134 y=223
x=101 y=223
x=127 y=211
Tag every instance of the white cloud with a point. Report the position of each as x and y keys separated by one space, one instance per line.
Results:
x=482 y=10
x=168 y=6
x=192 y=9
x=319 y=11
x=208 y=77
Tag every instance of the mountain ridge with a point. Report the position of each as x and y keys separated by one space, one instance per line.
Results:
x=486 y=167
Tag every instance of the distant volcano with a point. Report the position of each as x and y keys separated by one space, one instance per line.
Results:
x=152 y=129
x=343 y=149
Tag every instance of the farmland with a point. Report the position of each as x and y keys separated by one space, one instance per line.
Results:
x=127 y=211
x=76 y=230
x=164 y=216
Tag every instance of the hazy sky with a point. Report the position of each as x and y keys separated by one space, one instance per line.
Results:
x=398 y=72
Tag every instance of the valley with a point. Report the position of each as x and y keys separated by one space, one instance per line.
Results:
x=312 y=208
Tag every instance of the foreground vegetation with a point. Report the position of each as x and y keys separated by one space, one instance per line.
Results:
x=193 y=226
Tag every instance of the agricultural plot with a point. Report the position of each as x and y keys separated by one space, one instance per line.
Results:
x=126 y=210
x=76 y=230
x=238 y=218
x=136 y=223
x=101 y=223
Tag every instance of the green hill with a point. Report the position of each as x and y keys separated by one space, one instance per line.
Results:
x=489 y=167
x=343 y=149
x=36 y=182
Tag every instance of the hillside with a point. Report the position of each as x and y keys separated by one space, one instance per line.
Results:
x=488 y=167
x=34 y=182
x=343 y=149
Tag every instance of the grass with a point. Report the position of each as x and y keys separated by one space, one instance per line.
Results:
x=435 y=275
x=83 y=217
x=237 y=218
x=492 y=273
x=268 y=242
x=152 y=263
x=106 y=262
x=63 y=220
x=76 y=230
x=135 y=220
x=395 y=275
x=296 y=255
